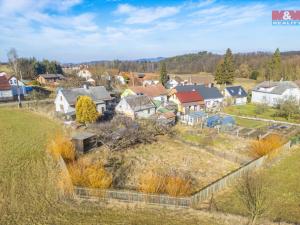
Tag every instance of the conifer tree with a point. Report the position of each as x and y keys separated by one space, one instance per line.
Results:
x=276 y=65
x=86 y=111
x=163 y=74
x=225 y=69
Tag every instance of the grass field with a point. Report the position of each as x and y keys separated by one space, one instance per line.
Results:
x=27 y=184
x=250 y=110
x=283 y=180
x=250 y=123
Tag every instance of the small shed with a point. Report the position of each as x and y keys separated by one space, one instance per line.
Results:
x=213 y=121
x=84 y=141
x=194 y=118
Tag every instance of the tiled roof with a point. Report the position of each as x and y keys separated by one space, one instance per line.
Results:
x=98 y=94
x=150 y=90
x=205 y=92
x=4 y=84
x=275 y=87
x=189 y=96
x=236 y=91
x=139 y=102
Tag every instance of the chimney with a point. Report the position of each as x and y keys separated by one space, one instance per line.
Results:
x=86 y=86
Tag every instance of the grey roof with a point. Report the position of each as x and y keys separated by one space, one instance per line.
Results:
x=139 y=102
x=52 y=76
x=236 y=91
x=83 y=135
x=204 y=91
x=98 y=94
x=278 y=87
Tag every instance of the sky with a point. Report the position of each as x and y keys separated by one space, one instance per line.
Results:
x=85 y=30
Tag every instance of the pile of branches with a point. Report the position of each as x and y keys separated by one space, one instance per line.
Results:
x=123 y=132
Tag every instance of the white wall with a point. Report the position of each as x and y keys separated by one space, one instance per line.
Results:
x=272 y=99
x=61 y=104
x=145 y=113
x=162 y=98
x=210 y=103
x=6 y=94
x=241 y=101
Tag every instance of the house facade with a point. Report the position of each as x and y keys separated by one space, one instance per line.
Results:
x=5 y=89
x=66 y=99
x=188 y=101
x=212 y=97
x=272 y=93
x=14 y=83
x=84 y=73
x=47 y=79
x=136 y=106
x=236 y=95
x=155 y=92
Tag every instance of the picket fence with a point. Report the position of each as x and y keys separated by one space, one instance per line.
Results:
x=165 y=200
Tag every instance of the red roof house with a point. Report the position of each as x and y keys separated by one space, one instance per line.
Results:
x=188 y=101
x=5 y=89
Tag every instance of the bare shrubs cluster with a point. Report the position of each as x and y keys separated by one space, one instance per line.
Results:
x=89 y=175
x=62 y=146
x=267 y=145
x=122 y=132
x=172 y=183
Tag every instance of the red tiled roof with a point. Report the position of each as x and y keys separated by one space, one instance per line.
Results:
x=4 y=85
x=150 y=90
x=189 y=96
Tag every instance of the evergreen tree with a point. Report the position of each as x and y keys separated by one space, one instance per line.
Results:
x=219 y=74
x=276 y=65
x=228 y=67
x=163 y=74
x=225 y=69
x=86 y=111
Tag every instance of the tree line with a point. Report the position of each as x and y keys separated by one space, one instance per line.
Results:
x=30 y=68
x=255 y=65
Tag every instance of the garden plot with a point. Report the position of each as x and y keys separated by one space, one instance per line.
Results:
x=165 y=155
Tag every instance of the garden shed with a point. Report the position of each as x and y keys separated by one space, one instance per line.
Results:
x=84 y=141
x=227 y=122
x=194 y=118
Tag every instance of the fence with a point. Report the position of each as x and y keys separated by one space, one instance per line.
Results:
x=220 y=184
x=156 y=199
x=131 y=196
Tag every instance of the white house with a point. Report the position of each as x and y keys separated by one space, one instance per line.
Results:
x=66 y=98
x=136 y=106
x=5 y=89
x=272 y=93
x=236 y=94
x=14 y=82
x=84 y=73
x=150 y=82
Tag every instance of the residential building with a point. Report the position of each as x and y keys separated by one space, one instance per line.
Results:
x=14 y=83
x=272 y=93
x=49 y=79
x=136 y=106
x=187 y=101
x=66 y=99
x=5 y=89
x=155 y=92
x=84 y=73
x=236 y=95
x=212 y=97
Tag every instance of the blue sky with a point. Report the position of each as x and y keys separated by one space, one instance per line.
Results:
x=85 y=30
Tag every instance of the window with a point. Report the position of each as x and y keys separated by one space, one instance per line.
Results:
x=148 y=111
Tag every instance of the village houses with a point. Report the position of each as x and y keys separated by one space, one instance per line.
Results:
x=236 y=95
x=66 y=99
x=5 y=89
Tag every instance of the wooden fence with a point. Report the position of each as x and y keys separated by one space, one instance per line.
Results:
x=130 y=196
x=157 y=199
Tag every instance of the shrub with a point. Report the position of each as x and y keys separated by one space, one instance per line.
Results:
x=173 y=185
x=267 y=145
x=86 y=111
x=152 y=182
x=261 y=108
x=93 y=176
x=62 y=146
x=178 y=186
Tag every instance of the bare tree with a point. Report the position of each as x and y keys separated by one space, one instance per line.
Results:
x=251 y=190
x=14 y=63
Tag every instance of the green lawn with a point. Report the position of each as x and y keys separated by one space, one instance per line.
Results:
x=283 y=180
x=250 y=123
x=250 y=110
x=27 y=183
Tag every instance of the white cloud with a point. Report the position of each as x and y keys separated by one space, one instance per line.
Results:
x=143 y=15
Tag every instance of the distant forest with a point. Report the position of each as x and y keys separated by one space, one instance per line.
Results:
x=256 y=65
